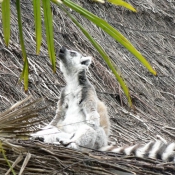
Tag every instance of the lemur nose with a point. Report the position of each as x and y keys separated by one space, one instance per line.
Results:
x=63 y=49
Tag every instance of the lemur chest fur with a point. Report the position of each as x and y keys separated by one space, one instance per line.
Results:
x=73 y=101
x=74 y=115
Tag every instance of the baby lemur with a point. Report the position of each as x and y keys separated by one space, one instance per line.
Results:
x=81 y=119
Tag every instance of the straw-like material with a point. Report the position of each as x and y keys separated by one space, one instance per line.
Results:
x=151 y=31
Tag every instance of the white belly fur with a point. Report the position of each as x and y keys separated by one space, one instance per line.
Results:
x=74 y=117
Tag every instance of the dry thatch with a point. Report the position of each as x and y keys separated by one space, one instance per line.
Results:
x=151 y=31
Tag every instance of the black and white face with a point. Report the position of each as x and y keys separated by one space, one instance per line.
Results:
x=72 y=62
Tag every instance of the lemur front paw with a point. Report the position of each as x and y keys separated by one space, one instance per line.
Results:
x=93 y=124
x=73 y=146
x=39 y=138
x=68 y=143
x=64 y=142
x=93 y=119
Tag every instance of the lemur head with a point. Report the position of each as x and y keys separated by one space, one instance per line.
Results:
x=72 y=62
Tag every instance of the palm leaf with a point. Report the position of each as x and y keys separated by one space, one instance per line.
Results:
x=104 y=56
x=37 y=19
x=122 y=3
x=18 y=7
x=25 y=72
x=111 y=31
x=49 y=32
x=6 y=20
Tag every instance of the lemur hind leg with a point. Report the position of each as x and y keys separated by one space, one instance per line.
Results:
x=86 y=137
x=102 y=138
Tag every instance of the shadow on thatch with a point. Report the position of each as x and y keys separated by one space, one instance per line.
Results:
x=151 y=31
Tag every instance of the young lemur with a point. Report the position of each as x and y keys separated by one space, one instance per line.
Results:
x=81 y=119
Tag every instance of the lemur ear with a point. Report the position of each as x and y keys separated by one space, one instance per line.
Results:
x=86 y=61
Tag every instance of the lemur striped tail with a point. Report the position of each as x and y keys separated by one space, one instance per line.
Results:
x=154 y=149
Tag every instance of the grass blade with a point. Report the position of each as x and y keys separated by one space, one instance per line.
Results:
x=104 y=55
x=122 y=3
x=3 y=153
x=6 y=20
x=37 y=19
x=25 y=72
x=49 y=32
x=111 y=31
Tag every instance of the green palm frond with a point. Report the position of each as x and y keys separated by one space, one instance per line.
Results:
x=37 y=20
x=106 y=27
x=122 y=3
x=6 y=20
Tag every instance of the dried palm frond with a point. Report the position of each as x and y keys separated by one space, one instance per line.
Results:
x=21 y=118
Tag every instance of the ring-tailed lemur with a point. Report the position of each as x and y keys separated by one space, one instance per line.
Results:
x=81 y=119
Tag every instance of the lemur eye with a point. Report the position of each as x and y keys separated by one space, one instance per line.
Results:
x=84 y=62
x=73 y=54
